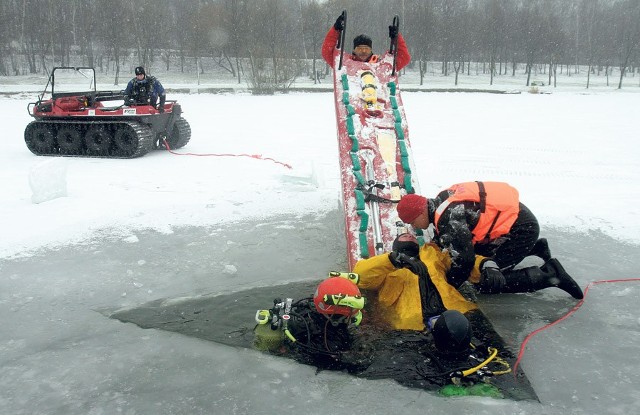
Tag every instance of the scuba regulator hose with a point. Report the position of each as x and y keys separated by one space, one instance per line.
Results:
x=462 y=374
x=457 y=375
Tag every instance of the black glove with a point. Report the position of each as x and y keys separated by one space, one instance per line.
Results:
x=393 y=257
x=161 y=105
x=128 y=101
x=339 y=24
x=393 y=32
x=415 y=265
x=491 y=278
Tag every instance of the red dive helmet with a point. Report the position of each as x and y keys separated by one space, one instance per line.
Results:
x=337 y=295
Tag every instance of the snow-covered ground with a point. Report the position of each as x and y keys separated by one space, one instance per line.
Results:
x=167 y=226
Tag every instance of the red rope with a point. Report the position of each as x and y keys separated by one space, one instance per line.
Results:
x=255 y=156
x=573 y=310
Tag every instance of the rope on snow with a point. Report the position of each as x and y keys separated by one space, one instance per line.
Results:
x=255 y=156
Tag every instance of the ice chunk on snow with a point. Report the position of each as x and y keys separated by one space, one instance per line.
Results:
x=48 y=180
x=230 y=269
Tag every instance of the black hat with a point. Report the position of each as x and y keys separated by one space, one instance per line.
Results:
x=362 y=40
x=140 y=70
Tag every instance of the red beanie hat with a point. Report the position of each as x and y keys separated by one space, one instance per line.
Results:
x=411 y=206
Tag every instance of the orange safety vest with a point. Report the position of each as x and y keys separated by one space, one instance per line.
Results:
x=499 y=207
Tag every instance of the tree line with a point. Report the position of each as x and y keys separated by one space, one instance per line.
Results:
x=265 y=40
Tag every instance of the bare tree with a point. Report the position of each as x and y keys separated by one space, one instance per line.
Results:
x=184 y=13
x=114 y=36
x=200 y=26
x=554 y=43
x=32 y=20
x=512 y=36
x=420 y=30
x=492 y=32
x=149 y=19
x=532 y=25
x=273 y=47
x=84 y=24
x=236 y=26
x=5 y=36
x=314 y=33
x=591 y=14
x=460 y=38
x=628 y=34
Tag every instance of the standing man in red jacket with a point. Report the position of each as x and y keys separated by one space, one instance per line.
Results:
x=485 y=221
x=362 y=46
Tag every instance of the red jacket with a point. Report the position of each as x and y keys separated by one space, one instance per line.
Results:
x=329 y=50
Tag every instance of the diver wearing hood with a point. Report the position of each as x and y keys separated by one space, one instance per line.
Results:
x=316 y=330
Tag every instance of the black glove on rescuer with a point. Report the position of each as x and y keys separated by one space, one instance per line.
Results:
x=491 y=278
x=393 y=32
x=161 y=105
x=339 y=24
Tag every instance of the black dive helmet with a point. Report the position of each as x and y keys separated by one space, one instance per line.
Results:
x=452 y=332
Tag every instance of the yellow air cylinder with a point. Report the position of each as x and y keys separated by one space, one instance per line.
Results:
x=369 y=88
x=266 y=339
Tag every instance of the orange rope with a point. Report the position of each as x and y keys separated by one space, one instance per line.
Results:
x=254 y=156
x=573 y=310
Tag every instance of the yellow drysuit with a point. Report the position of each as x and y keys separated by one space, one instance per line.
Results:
x=398 y=291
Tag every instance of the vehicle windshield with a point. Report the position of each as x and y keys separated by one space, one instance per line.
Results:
x=73 y=80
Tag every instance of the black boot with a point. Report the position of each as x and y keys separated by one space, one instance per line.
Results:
x=541 y=249
x=531 y=279
x=563 y=280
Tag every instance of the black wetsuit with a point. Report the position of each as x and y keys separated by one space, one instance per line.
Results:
x=320 y=341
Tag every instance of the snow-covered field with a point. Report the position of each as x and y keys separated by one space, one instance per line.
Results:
x=167 y=226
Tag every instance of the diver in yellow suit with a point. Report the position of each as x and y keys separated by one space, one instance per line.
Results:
x=413 y=292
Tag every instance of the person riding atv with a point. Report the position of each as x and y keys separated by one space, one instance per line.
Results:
x=144 y=90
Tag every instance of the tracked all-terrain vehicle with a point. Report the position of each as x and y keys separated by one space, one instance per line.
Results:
x=72 y=123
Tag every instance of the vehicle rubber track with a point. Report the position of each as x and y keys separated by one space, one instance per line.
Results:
x=104 y=139
x=180 y=134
